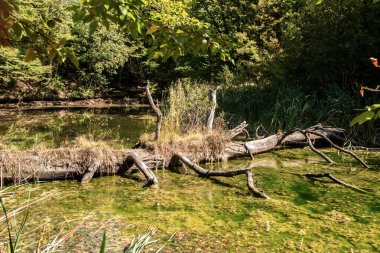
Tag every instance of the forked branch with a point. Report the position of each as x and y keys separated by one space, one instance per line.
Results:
x=340 y=148
x=335 y=180
x=229 y=173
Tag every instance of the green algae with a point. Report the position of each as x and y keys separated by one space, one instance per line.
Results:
x=221 y=215
x=207 y=215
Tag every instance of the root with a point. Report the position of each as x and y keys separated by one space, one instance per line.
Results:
x=230 y=173
x=335 y=180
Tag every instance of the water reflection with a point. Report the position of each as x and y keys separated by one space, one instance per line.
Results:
x=55 y=128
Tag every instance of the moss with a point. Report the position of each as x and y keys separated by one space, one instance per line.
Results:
x=221 y=216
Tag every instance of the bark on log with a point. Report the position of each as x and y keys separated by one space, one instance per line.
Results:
x=148 y=174
x=241 y=128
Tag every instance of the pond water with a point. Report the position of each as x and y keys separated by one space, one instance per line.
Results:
x=119 y=127
x=212 y=215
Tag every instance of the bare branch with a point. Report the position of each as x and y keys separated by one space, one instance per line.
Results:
x=156 y=110
x=229 y=173
x=211 y=117
x=335 y=180
x=316 y=150
x=340 y=148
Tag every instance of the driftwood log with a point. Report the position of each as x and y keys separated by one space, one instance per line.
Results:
x=85 y=163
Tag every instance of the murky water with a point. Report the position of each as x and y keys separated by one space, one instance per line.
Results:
x=215 y=215
x=119 y=127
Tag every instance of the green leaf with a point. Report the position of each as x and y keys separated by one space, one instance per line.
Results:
x=374 y=106
x=52 y=54
x=377 y=115
x=103 y=245
x=93 y=26
x=153 y=55
x=140 y=26
x=61 y=53
x=152 y=29
x=17 y=30
x=20 y=231
x=30 y=55
x=106 y=23
x=363 y=117
x=131 y=16
x=123 y=10
x=71 y=55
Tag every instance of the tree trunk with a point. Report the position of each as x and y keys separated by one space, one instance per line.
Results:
x=211 y=117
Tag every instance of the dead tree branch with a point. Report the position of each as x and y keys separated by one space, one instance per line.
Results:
x=241 y=128
x=151 y=179
x=323 y=155
x=156 y=110
x=334 y=179
x=340 y=148
x=230 y=173
x=211 y=117
x=89 y=174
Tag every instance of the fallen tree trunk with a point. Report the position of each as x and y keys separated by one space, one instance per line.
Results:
x=88 y=162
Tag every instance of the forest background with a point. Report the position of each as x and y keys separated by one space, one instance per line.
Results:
x=290 y=63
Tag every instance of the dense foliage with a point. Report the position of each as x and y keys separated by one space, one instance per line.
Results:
x=275 y=57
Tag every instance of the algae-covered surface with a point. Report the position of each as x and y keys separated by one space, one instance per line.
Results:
x=216 y=215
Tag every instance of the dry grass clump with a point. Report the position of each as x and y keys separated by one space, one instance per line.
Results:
x=187 y=107
x=199 y=146
x=56 y=163
x=186 y=112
